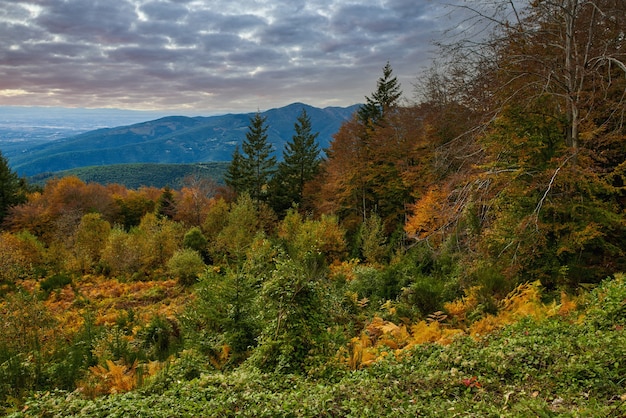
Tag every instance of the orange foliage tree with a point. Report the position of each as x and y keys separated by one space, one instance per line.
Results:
x=193 y=205
x=56 y=212
x=363 y=172
x=365 y=176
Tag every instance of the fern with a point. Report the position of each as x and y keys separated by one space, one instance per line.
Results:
x=380 y=336
x=524 y=300
x=109 y=378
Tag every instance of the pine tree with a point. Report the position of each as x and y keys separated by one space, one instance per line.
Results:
x=12 y=188
x=166 y=205
x=251 y=171
x=383 y=99
x=301 y=160
x=367 y=140
x=236 y=173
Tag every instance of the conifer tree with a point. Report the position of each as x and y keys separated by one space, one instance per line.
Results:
x=385 y=97
x=236 y=172
x=12 y=188
x=251 y=171
x=166 y=206
x=301 y=160
x=362 y=158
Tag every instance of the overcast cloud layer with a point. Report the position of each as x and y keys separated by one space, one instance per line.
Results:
x=209 y=55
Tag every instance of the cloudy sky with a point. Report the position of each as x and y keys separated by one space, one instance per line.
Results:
x=210 y=56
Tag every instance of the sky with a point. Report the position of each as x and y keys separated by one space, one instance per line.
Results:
x=211 y=56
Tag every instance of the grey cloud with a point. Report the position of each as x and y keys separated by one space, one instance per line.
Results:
x=164 y=10
x=95 y=21
x=410 y=9
x=216 y=20
x=141 y=55
x=219 y=42
x=254 y=57
x=305 y=29
x=214 y=55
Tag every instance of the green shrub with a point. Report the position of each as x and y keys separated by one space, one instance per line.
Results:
x=367 y=283
x=186 y=265
x=194 y=239
x=161 y=337
x=606 y=305
x=113 y=344
x=224 y=313
x=57 y=281
x=70 y=360
x=296 y=317
x=27 y=339
x=188 y=365
x=426 y=294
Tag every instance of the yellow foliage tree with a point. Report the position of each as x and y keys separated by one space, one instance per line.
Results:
x=90 y=240
x=314 y=236
x=13 y=263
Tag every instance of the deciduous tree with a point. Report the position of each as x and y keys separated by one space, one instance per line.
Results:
x=90 y=240
x=547 y=176
x=236 y=235
x=195 y=199
x=363 y=170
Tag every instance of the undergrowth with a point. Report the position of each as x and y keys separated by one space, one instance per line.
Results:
x=555 y=361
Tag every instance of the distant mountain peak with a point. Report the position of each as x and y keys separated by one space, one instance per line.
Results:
x=174 y=139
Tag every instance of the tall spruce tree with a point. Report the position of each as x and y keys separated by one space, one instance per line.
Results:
x=371 y=139
x=166 y=205
x=237 y=173
x=257 y=162
x=12 y=188
x=385 y=97
x=301 y=160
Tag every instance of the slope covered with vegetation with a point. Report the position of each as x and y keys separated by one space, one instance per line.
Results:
x=562 y=360
x=134 y=176
x=459 y=256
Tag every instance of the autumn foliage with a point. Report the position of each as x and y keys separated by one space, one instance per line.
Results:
x=497 y=196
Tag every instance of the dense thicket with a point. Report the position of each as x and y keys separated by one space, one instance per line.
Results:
x=513 y=155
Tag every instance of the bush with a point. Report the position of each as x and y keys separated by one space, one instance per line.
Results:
x=161 y=337
x=296 y=318
x=607 y=303
x=188 y=365
x=187 y=265
x=57 y=281
x=427 y=294
x=222 y=321
x=194 y=239
x=27 y=337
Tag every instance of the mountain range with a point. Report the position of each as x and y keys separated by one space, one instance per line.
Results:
x=172 y=140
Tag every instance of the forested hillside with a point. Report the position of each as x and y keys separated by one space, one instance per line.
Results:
x=460 y=255
x=134 y=176
x=168 y=140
